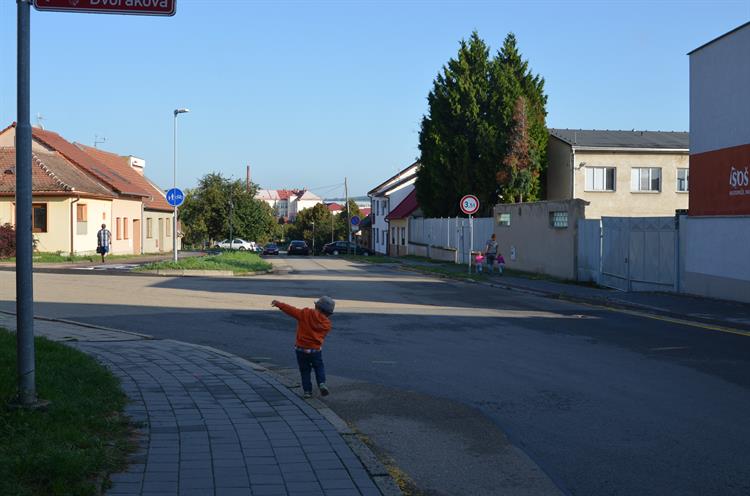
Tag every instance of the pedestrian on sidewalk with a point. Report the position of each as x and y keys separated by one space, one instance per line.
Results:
x=479 y=261
x=103 y=240
x=490 y=253
x=312 y=327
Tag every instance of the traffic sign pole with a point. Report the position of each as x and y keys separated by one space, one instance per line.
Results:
x=469 y=205
x=24 y=238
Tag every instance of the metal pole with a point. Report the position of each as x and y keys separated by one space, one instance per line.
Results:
x=174 y=185
x=348 y=218
x=313 y=236
x=24 y=224
x=471 y=239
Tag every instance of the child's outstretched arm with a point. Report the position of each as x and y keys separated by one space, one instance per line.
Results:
x=287 y=309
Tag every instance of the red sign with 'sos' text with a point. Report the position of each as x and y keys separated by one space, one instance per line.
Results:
x=134 y=7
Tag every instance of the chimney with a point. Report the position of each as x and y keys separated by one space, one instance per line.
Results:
x=137 y=163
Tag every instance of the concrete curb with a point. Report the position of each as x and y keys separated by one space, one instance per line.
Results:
x=202 y=273
x=88 y=326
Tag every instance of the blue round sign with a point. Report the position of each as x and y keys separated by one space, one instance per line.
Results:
x=355 y=220
x=175 y=197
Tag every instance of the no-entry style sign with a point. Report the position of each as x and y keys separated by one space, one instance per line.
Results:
x=469 y=204
x=134 y=7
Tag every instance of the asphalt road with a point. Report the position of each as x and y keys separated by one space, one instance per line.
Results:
x=471 y=390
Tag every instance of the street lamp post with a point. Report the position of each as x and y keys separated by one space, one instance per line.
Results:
x=174 y=180
x=313 y=240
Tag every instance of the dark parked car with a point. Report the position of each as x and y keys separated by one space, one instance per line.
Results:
x=298 y=247
x=271 y=249
x=340 y=247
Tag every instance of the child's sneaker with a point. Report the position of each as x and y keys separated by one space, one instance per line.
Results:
x=323 y=389
x=307 y=395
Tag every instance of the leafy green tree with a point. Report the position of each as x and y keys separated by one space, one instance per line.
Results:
x=343 y=220
x=465 y=135
x=303 y=226
x=209 y=208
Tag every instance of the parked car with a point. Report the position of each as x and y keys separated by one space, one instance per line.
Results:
x=271 y=249
x=298 y=247
x=340 y=247
x=237 y=244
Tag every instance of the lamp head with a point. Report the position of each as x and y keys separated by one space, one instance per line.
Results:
x=181 y=111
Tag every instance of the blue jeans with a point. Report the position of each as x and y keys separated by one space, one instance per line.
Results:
x=307 y=362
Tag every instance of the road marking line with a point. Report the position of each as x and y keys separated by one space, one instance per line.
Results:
x=672 y=320
x=670 y=348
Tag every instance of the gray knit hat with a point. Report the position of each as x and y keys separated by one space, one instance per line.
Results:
x=325 y=304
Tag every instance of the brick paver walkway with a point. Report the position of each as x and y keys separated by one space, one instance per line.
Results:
x=209 y=424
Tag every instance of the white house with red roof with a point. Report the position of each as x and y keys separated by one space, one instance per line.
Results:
x=77 y=188
x=384 y=198
x=287 y=203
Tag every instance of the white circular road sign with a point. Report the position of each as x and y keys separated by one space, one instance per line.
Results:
x=469 y=204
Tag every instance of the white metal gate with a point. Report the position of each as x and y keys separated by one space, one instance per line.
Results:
x=639 y=253
x=589 y=248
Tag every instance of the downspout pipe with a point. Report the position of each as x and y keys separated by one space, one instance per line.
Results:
x=73 y=225
x=572 y=172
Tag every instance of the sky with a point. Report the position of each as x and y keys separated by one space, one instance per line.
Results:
x=311 y=92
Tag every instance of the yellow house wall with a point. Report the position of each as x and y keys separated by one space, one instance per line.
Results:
x=98 y=213
x=123 y=209
x=152 y=244
x=623 y=202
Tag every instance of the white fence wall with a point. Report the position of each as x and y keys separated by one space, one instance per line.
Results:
x=451 y=233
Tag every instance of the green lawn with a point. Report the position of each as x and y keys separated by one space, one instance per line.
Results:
x=239 y=262
x=59 y=257
x=82 y=435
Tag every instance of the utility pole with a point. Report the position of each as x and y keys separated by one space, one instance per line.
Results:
x=348 y=218
x=24 y=238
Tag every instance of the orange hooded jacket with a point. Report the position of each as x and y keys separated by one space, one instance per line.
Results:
x=312 y=326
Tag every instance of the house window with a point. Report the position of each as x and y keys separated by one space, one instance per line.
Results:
x=558 y=220
x=645 y=179
x=600 y=178
x=403 y=236
x=125 y=228
x=683 y=176
x=39 y=217
x=503 y=219
x=118 y=228
x=149 y=228
x=82 y=218
x=168 y=228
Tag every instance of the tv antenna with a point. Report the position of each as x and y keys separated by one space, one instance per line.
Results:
x=39 y=119
x=99 y=139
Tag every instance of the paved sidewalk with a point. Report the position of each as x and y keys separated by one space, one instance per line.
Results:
x=211 y=424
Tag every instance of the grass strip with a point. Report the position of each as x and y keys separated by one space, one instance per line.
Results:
x=59 y=257
x=239 y=262
x=82 y=436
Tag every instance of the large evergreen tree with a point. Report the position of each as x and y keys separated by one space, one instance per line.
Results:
x=465 y=135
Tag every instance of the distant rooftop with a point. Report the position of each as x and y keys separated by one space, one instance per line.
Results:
x=669 y=140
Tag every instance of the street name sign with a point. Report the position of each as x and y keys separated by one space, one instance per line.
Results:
x=133 y=7
x=469 y=204
x=175 y=197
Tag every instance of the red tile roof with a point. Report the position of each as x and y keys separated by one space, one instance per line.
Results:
x=405 y=208
x=334 y=207
x=50 y=173
x=153 y=197
x=365 y=211
x=117 y=178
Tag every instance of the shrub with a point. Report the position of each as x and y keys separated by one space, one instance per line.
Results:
x=7 y=241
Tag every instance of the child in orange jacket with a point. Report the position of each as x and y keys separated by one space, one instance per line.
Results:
x=312 y=327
